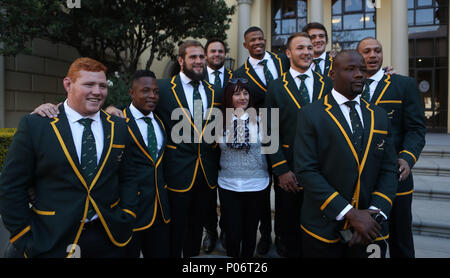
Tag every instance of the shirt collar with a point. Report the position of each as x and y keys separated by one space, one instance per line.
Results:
x=377 y=76
x=243 y=117
x=211 y=71
x=254 y=62
x=295 y=73
x=184 y=78
x=73 y=116
x=341 y=99
x=323 y=56
x=138 y=114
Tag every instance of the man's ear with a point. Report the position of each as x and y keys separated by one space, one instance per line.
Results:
x=332 y=74
x=67 y=83
x=288 y=53
x=180 y=61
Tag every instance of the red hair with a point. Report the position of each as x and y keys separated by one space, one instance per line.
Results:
x=86 y=64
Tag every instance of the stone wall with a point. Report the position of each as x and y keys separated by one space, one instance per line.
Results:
x=31 y=80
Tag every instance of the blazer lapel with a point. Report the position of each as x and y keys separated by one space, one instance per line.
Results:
x=163 y=129
x=277 y=61
x=368 y=118
x=291 y=88
x=319 y=86
x=228 y=74
x=136 y=133
x=253 y=76
x=328 y=64
x=381 y=88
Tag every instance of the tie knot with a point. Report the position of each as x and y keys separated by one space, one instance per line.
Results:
x=195 y=84
x=302 y=77
x=148 y=120
x=369 y=81
x=216 y=73
x=351 y=104
x=317 y=61
x=86 y=122
x=263 y=62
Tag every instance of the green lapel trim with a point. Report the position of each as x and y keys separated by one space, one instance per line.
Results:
x=316 y=85
x=286 y=84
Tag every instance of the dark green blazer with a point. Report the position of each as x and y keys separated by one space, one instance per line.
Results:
x=328 y=65
x=399 y=96
x=228 y=74
x=185 y=160
x=257 y=87
x=42 y=158
x=331 y=173
x=153 y=197
x=283 y=93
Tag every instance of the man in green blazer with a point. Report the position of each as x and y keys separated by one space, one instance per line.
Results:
x=190 y=163
x=399 y=96
x=295 y=89
x=79 y=170
x=345 y=160
x=149 y=137
x=322 y=61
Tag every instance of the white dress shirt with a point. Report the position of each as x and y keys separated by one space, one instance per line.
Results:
x=321 y=64
x=189 y=93
x=340 y=99
x=259 y=69
x=77 y=130
x=376 y=78
x=143 y=128
x=212 y=76
x=309 y=81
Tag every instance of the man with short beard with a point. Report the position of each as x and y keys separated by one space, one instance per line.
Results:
x=190 y=167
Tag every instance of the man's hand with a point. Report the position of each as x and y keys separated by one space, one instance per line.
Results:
x=288 y=182
x=366 y=229
x=49 y=110
x=403 y=169
x=114 y=111
x=389 y=70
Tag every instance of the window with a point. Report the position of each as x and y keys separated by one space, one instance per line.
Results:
x=352 y=20
x=289 y=17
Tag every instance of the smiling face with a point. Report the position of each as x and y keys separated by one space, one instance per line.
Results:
x=193 y=63
x=215 y=55
x=300 y=53
x=87 y=93
x=145 y=94
x=319 y=41
x=348 y=74
x=240 y=99
x=255 y=44
x=372 y=52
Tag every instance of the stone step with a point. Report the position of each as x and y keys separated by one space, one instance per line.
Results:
x=431 y=217
x=436 y=151
x=432 y=166
x=431 y=247
x=431 y=187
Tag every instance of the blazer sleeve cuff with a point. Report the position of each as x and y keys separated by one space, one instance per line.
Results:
x=382 y=202
x=333 y=205
x=409 y=157
x=280 y=168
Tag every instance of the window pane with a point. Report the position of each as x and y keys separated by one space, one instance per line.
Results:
x=276 y=9
x=289 y=26
x=337 y=7
x=422 y=3
x=302 y=10
x=337 y=23
x=410 y=4
x=424 y=16
x=353 y=6
x=411 y=18
x=289 y=8
x=354 y=21
x=301 y=23
x=422 y=29
x=277 y=27
x=279 y=41
x=369 y=8
x=370 y=20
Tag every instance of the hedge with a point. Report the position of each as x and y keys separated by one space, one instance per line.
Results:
x=6 y=136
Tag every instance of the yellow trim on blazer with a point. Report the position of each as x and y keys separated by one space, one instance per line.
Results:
x=192 y=182
x=217 y=103
x=19 y=235
x=289 y=91
x=325 y=204
x=279 y=61
x=285 y=146
x=151 y=222
x=383 y=196
x=118 y=146
x=179 y=103
x=203 y=169
x=170 y=146
x=331 y=64
x=323 y=85
x=390 y=101
x=130 y=212
x=43 y=212
x=279 y=163
x=404 y=193
x=380 y=131
x=115 y=203
x=252 y=78
x=382 y=238
x=384 y=89
x=80 y=229
x=413 y=156
x=319 y=237
x=139 y=145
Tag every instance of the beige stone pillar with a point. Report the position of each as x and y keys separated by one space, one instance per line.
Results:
x=244 y=7
x=399 y=36
x=316 y=11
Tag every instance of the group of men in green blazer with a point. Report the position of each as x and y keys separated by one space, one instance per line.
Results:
x=327 y=179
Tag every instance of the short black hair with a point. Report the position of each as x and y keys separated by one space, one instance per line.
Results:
x=315 y=25
x=210 y=41
x=293 y=36
x=366 y=38
x=186 y=44
x=253 y=29
x=142 y=73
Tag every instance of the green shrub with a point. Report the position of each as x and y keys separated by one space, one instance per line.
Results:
x=6 y=136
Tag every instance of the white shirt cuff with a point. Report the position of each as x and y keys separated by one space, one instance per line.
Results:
x=382 y=213
x=343 y=212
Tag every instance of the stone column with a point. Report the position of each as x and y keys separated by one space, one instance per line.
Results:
x=244 y=24
x=316 y=11
x=399 y=36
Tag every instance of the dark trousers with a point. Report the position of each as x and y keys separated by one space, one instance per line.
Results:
x=401 y=244
x=314 y=248
x=152 y=242
x=242 y=211
x=188 y=212
x=265 y=226
x=288 y=216
x=211 y=217
x=95 y=243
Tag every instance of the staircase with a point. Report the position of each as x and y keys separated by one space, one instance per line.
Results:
x=431 y=199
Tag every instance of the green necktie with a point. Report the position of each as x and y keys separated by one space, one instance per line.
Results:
x=267 y=74
x=217 y=81
x=366 y=93
x=88 y=157
x=151 y=138
x=356 y=126
x=317 y=63
x=304 y=95
x=197 y=97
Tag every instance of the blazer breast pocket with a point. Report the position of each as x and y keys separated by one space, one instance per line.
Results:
x=379 y=142
x=118 y=151
x=392 y=108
